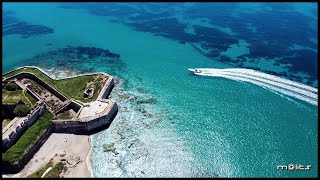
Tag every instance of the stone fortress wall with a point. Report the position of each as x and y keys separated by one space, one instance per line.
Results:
x=86 y=125
x=12 y=132
x=18 y=166
x=39 y=81
x=83 y=124
x=105 y=91
x=90 y=123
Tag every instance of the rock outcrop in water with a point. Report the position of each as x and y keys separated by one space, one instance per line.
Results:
x=12 y=25
x=214 y=28
x=79 y=58
x=147 y=101
x=141 y=148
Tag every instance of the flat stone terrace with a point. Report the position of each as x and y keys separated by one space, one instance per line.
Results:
x=17 y=121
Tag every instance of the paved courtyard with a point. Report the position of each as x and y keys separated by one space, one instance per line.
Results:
x=93 y=109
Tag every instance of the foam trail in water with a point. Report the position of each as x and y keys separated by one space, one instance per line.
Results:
x=285 y=86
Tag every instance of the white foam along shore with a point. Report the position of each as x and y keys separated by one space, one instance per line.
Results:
x=285 y=86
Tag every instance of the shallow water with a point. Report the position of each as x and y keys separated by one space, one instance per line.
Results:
x=194 y=126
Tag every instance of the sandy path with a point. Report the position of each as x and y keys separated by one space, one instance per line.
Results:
x=76 y=145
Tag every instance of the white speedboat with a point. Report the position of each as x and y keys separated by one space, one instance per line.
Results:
x=195 y=70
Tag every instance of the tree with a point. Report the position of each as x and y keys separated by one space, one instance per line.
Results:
x=11 y=86
x=21 y=110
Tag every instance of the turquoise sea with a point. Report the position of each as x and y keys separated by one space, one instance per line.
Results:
x=172 y=123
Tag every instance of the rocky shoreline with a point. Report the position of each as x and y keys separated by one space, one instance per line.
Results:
x=137 y=144
x=140 y=145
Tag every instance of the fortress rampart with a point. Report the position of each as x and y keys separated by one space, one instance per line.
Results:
x=39 y=81
x=84 y=125
x=12 y=132
x=18 y=166
x=88 y=124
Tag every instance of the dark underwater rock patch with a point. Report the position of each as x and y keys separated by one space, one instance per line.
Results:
x=79 y=58
x=147 y=101
x=13 y=25
x=275 y=30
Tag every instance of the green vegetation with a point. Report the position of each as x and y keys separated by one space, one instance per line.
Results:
x=12 y=97
x=5 y=122
x=11 y=86
x=15 y=152
x=64 y=115
x=31 y=98
x=53 y=173
x=39 y=173
x=77 y=84
x=30 y=70
x=21 y=110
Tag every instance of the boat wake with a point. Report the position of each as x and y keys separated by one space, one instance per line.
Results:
x=290 y=88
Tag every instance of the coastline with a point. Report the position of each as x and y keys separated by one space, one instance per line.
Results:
x=62 y=74
x=135 y=134
x=88 y=159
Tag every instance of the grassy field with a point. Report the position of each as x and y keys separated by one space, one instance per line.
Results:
x=64 y=115
x=72 y=87
x=28 y=138
x=12 y=96
x=15 y=96
x=30 y=97
x=78 y=85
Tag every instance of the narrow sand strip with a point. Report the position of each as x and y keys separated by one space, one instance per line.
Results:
x=88 y=159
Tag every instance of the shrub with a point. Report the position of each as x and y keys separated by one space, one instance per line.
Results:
x=55 y=171
x=11 y=86
x=21 y=110
x=39 y=173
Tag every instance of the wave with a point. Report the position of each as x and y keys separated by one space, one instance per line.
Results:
x=290 y=88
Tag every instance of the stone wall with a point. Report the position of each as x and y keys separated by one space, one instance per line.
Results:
x=27 y=156
x=72 y=105
x=32 y=94
x=87 y=124
x=105 y=91
x=39 y=81
x=69 y=126
x=77 y=125
x=35 y=113
x=103 y=121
